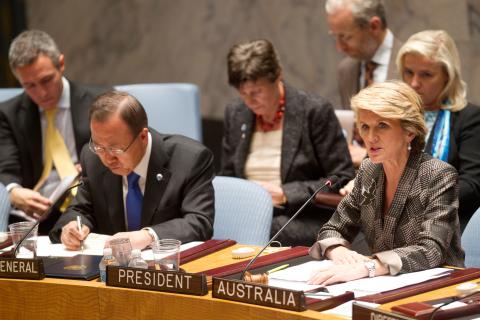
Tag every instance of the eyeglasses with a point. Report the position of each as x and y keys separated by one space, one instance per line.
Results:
x=95 y=148
x=344 y=37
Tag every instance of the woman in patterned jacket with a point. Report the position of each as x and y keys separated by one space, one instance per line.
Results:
x=403 y=200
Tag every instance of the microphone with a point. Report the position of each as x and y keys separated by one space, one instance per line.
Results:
x=42 y=217
x=329 y=183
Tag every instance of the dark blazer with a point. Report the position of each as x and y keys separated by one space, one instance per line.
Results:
x=313 y=148
x=464 y=155
x=179 y=206
x=421 y=229
x=21 y=134
x=348 y=74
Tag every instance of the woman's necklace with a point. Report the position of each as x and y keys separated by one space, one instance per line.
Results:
x=268 y=126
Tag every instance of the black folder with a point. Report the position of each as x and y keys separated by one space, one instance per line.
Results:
x=77 y=267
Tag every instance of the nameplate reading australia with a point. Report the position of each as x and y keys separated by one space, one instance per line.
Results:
x=258 y=294
x=21 y=268
x=149 y=279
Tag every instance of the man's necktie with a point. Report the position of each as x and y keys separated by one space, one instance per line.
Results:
x=55 y=152
x=369 y=68
x=134 y=202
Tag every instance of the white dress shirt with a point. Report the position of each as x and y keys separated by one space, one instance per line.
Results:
x=382 y=59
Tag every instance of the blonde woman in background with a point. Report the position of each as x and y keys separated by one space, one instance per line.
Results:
x=429 y=62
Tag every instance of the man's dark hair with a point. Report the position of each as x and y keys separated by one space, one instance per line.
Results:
x=129 y=108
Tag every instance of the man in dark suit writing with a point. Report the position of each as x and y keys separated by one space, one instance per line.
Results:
x=139 y=183
x=29 y=169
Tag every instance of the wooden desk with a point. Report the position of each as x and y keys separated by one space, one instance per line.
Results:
x=73 y=299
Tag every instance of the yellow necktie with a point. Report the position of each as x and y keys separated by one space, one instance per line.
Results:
x=55 y=152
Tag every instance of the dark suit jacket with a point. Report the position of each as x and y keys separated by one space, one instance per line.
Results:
x=464 y=155
x=179 y=206
x=21 y=134
x=348 y=74
x=313 y=148
x=420 y=230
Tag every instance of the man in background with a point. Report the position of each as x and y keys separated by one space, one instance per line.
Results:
x=360 y=31
x=42 y=130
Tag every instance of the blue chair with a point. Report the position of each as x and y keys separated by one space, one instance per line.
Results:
x=471 y=241
x=8 y=93
x=171 y=107
x=243 y=211
x=4 y=208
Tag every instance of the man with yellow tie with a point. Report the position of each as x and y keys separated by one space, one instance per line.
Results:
x=42 y=130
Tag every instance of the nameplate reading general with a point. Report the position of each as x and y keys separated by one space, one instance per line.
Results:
x=258 y=294
x=166 y=281
x=21 y=268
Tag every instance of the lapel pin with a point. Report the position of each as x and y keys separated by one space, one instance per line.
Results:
x=243 y=128
x=159 y=176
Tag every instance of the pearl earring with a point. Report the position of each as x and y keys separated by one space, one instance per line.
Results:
x=409 y=147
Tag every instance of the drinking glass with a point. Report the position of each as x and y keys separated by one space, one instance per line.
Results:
x=166 y=253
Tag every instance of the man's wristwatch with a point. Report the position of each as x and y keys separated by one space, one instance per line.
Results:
x=370 y=266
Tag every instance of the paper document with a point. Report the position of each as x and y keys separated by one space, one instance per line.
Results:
x=93 y=245
x=366 y=286
x=296 y=278
x=345 y=309
x=56 y=194
x=61 y=188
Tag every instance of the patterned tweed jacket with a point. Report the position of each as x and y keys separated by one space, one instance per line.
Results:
x=420 y=229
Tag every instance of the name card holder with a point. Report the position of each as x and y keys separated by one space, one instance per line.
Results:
x=258 y=294
x=156 y=280
x=363 y=312
x=15 y=268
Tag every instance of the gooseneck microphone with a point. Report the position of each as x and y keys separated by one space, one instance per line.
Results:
x=42 y=217
x=330 y=181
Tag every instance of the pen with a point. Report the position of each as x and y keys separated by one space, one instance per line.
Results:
x=283 y=266
x=79 y=224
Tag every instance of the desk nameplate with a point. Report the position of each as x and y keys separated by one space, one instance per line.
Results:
x=31 y=269
x=165 y=281
x=361 y=312
x=258 y=294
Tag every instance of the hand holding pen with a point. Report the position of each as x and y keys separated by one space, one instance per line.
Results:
x=79 y=224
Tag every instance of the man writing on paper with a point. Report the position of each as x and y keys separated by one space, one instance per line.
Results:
x=42 y=130
x=138 y=183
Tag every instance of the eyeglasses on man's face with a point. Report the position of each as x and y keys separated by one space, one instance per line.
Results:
x=95 y=148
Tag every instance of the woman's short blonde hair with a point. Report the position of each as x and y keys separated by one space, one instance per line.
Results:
x=438 y=46
x=394 y=100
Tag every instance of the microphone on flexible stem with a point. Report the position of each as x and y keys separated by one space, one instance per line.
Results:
x=42 y=217
x=329 y=183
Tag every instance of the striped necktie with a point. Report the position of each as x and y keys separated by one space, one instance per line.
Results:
x=369 y=69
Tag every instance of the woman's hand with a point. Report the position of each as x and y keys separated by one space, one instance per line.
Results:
x=339 y=273
x=347 y=188
x=341 y=255
x=278 y=196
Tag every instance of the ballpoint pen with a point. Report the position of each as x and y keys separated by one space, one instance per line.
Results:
x=79 y=224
